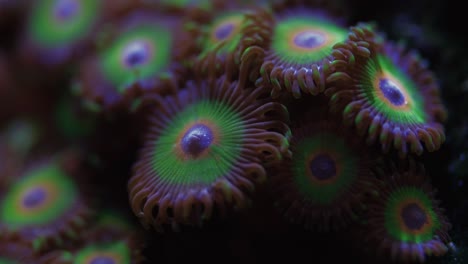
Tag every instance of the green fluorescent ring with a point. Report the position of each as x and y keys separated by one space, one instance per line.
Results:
x=55 y=23
x=139 y=53
x=39 y=197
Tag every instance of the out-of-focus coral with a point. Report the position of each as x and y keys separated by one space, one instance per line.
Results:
x=43 y=205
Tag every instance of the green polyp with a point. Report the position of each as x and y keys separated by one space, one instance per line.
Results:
x=122 y=76
x=49 y=32
x=201 y=4
x=47 y=173
x=118 y=249
x=221 y=156
x=71 y=125
x=230 y=44
x=111 y=219
x=22 y=135
x=37 y=243
x=7 y=261
x=416 y=115
x=92 y=106
x=392 y=214
x=135 y=104
x=345 y=159
x=281 y=45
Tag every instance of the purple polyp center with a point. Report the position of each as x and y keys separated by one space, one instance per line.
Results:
x=34 y=197
x=323 y=167
x=413 y=216
x=308 y=40
x=197 y=139
x=391 y=91
x=102 y=260
x=136 y=54
x=224 y=31
x=66 y=9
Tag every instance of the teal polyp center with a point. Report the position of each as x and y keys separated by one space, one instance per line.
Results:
x=199 y=145
x=392 y=92
x=304 y=40
x=61 y=22
x=40 y=196
x=323 y=167
x=140 y=53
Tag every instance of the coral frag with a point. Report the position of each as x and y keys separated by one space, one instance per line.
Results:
x=143 y=131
